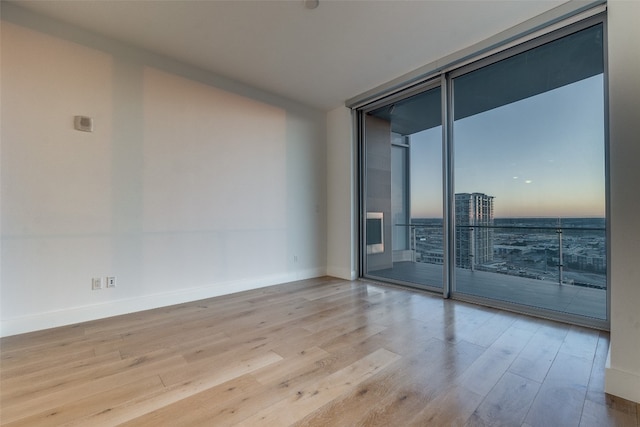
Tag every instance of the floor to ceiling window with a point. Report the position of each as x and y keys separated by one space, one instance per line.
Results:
x=403 y=192
x=529 y=157
x=521 y=172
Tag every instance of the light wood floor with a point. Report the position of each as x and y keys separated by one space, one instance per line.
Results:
x=321 y=352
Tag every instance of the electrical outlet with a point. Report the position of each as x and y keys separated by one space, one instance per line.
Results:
x=96 y=283
x=110 y=281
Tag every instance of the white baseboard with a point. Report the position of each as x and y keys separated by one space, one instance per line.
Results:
x=341 y=273
x=307 y=274
x=72 y=315
x=621 y=383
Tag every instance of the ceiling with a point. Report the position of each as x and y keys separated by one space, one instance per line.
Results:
x=318 y=57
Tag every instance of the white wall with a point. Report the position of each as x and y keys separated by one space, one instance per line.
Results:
x=190 y=186
x=623 y=367
x=341 y=191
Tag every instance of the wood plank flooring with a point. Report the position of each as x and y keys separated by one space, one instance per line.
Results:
x=320 y=352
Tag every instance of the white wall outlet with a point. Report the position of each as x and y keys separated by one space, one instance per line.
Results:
x=96 y=283
x=110 y=281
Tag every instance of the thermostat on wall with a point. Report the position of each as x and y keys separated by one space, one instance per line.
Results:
x=83 y=123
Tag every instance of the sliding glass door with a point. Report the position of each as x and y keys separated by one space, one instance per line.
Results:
x=506 y=203
x=403 y=192
x=529 y=174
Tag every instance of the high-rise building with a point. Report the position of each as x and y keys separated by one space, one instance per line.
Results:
x=474 y=232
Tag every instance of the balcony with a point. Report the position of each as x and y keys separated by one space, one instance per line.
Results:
x=557 y=268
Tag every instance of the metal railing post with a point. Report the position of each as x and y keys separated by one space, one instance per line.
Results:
x=415 y=248
x=472 y=244
x=560 y=263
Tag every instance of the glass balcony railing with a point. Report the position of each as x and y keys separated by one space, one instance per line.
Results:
x=532 y=263
x=561 y=254
x=573 y=254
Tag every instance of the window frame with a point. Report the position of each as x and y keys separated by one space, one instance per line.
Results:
x=443 y=78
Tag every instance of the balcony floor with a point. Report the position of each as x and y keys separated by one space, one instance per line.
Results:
x=577 y=300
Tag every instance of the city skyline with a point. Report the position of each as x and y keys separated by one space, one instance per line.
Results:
x=556 y=168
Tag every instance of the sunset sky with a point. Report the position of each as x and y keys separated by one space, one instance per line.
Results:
x=539 y=157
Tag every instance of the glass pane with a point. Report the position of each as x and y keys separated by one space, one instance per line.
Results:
x=403 y=155
x=529 y=178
